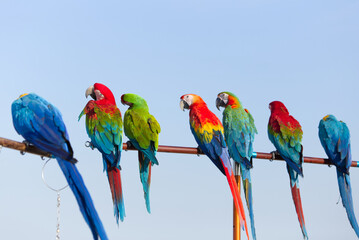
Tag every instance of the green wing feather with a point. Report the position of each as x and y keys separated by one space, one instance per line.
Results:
x=104 y=126
x=141 y=126
x=287 y=140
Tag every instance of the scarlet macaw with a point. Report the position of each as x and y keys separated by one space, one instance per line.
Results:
x=285 y=132
x=104 y=127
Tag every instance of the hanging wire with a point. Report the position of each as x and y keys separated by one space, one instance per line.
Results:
x=58 y=199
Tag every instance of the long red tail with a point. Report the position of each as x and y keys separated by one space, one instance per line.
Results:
x=114 y=179
x=236 y=195
x=294 y=185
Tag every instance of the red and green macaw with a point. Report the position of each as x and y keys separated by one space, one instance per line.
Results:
x=285 y=132
x=335 y=138
x=41 y=124
x=239 y=131
x=104 y=127
x=142 y=129
x=208 y=132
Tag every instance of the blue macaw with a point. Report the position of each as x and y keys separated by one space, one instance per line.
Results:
x=41 y=124
x=335 y=138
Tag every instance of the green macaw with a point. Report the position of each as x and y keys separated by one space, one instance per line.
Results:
x=142 y=129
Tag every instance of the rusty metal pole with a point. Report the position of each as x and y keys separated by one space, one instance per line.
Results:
x=22 y=147
x=236 y=221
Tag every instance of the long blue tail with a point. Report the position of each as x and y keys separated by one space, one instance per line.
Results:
x=83 y=198
x=346 y=194
x=247 y=185
x=145 y=175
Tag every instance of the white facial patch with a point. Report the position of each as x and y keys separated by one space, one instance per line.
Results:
x=99 y=95
x=188 y=99
x=224 y=97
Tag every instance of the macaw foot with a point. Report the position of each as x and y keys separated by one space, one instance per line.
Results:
x=129 y=145
x=199 y=151
x=89 y=144
x=274 y=155
x=27 y=144
x=74 y=160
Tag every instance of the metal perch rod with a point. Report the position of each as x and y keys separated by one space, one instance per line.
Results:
x=22 y=147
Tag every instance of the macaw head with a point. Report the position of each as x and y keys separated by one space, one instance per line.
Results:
x=225 y=99
x=330 y=117
x=277 y=106
x=100 y=93
x=188 y=100
x=133 y=101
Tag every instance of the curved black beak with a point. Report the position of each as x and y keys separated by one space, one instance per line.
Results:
x=183 y=105
x=220 y=103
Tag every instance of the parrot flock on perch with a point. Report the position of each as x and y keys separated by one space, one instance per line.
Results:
x=41 y=124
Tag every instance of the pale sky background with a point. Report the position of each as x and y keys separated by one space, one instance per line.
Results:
x=304 y=53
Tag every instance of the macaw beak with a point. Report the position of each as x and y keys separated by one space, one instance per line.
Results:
x=90 y=91
x=220 y=102
x=125 y=102
x=183 y=105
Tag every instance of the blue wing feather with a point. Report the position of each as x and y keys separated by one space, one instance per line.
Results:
x=40 y=123
x=212 y=149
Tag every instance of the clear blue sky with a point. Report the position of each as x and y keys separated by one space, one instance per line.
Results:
x=304 y=53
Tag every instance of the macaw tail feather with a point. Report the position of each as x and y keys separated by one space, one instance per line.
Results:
x=294 y=185
x=114 y=179
x=145 y=175
x=234 y=189
x=346 y=194
x=247 y=187
x=83 y=198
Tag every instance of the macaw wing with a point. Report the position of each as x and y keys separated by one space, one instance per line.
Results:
x=142 y=127
x=251 y=120
x=41 y=124
x=329 y=137
x=211 y=142
x=104 y=126
x=288 y=141
x=335 y=139
x=344 y=146
x=239 y=132
x=155 y=129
